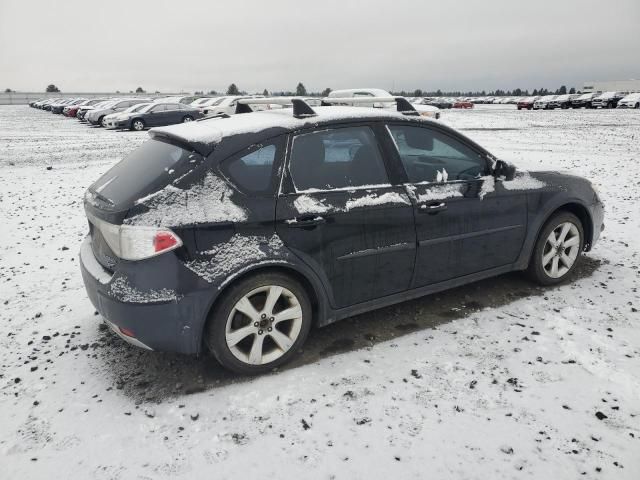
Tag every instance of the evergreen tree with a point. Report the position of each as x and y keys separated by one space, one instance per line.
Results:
x=562 y=90
x=572 y=90
x=233 y=90
x=417 y=93
x=326 y=92
x=139 y=90
x=300 y=90
x=52 y=89
x=265 y=92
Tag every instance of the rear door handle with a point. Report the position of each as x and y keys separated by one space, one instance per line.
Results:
x=432 y=208
x=306 y=222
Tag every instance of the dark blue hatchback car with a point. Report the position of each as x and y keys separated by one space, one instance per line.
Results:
x=236 y=235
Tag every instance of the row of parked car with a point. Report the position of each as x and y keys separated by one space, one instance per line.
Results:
x=585 y=100
x=139 y=113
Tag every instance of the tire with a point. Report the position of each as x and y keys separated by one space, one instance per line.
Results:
x=137 y=124
x=637 y=105
x=565 y=258
x=187 y=118
x=235 y=352
x=100 y=120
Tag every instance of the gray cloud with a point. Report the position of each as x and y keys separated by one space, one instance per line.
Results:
x=200 y=44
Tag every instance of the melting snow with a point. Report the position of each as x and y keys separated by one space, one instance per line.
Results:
x=306 y=204
x=205 y=202
x=488 y=186
x=441 y=192
x=523 y=181
x=121 y=289
x=373 y=199
x=240 y=251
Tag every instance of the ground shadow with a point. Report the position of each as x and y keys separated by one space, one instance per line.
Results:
x=153 y=376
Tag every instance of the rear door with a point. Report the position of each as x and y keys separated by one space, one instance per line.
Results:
x=466 y=222
x=339 y=212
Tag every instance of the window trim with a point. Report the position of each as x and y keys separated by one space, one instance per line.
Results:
x=482 y=153
x=288 y=185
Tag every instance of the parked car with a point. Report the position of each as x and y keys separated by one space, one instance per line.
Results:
x=630 y=101
x=237 y=235
x=96 y=116
x=57 y=108
x=438 y=102
x=543 y=102
x=360 y=93
x=158 y=114
x=112 y=120
x=526 y=103
x=72 y=110
x=584 y=100
x=186 y=99
x=84 y=109
x=607 y=100
x=463 y=104
x=562 y=101
x=226 y=105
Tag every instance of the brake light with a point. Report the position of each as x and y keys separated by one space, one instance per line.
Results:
x=164 y=241
x=132 y=242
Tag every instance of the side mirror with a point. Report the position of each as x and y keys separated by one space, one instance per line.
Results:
x=504 y=169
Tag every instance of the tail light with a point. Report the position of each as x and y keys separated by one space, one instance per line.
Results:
x=131 y=242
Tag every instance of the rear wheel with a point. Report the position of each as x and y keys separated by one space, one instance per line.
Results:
x=259 y=324
x=101 y=121
x=187 y=118
x=557 y=249
x=137 y=125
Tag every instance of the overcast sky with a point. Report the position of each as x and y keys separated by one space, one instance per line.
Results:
x=188 y=45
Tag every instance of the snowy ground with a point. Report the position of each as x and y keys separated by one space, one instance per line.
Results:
x=499 y=379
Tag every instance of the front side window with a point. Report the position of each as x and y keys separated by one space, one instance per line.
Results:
x=429 y=156
x=336 y=158
x=252 y=172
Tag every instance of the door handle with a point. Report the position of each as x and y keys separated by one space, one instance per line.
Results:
x=432 y=208
x=306 y=222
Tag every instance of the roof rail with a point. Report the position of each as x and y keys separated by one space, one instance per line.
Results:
x=402 y=104
x=301 y=109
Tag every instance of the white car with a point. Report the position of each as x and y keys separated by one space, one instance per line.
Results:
x=227 y=105
x=630 y=101
x=111 y=120
x=424 y=110
x=543 y=102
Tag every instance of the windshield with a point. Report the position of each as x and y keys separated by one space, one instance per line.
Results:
x=145 y=170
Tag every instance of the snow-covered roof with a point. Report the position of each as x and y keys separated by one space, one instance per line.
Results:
x=206 y=133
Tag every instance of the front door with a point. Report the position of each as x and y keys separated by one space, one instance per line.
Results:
x=339 y=213
x=465 y=221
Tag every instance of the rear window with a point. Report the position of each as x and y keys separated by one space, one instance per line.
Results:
x=147 y=169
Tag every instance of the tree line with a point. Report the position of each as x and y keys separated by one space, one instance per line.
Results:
x=301 y=91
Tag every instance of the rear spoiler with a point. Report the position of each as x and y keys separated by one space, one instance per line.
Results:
x=301 y=109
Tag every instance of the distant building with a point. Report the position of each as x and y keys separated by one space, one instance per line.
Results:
x=611 y=86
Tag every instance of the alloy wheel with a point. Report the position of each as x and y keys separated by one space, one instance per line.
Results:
x=561 y=250
x=187 y=119
x=263 y=325
x=138 y=125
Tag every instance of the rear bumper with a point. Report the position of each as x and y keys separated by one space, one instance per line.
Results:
x=157 y=319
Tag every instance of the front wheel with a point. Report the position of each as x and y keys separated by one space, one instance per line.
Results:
x=187 y=118
x=259 y=324
x=557 y=249
x=137 y=125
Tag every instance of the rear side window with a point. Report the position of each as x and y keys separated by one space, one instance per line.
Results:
x=336 y=158
x=252 y=171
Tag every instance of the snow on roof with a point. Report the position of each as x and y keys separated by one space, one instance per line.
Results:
x=213 y=130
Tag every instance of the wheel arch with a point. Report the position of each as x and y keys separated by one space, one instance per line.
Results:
x=312 y=286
